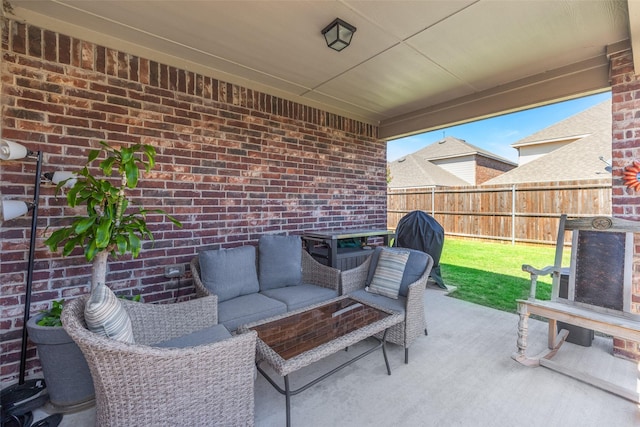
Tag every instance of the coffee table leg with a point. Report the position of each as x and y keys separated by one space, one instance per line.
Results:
x=287 y=395
x=384 y=351
x=287 y=388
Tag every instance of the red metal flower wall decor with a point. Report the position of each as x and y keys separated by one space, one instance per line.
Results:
x=631 y=175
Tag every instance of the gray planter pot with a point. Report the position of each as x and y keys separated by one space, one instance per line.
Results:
x=65 y=369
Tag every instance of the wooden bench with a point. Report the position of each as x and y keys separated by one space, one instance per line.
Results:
x=599 y=293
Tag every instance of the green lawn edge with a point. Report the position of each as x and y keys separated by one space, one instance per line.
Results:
x=490 y=273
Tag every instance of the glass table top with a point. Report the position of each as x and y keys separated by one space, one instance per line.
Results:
x=297 y=333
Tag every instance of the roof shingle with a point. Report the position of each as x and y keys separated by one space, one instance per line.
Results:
x=579 y=160
x=411 y=171
x=450 y=147
x=589 y=121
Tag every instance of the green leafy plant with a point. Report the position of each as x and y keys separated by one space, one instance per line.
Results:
x=52 y=316
x=109 y=225
x=106 y=225
x=135 y=298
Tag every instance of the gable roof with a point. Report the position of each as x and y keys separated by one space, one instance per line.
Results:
x=411 y=171
x=587 y=122
x=579 y=160
x=450 y=147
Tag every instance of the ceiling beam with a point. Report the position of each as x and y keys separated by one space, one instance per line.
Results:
x=579 y=79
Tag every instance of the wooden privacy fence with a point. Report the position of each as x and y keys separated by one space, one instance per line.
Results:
x=516 y=213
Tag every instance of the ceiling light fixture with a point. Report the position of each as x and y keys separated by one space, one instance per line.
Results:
x=338 y=34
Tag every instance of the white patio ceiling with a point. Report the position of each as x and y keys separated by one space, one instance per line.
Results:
x=412 y=65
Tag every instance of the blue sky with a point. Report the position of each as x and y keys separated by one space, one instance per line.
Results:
x=498 y=133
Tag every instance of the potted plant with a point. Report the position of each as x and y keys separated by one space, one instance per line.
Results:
x=108 y=226
x=65 y=369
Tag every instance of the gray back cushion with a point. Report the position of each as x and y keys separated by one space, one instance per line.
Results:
x=413 y=270
x=280 y=261
x=229 y=273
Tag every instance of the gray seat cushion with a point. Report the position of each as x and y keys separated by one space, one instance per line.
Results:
x=201 y=337
x=280 y=259
x=413 y=269
x=300 y=296
x=248 y=308
x=229 y=273
x=397 y=305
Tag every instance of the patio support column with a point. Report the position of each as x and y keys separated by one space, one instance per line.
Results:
x=625 y=106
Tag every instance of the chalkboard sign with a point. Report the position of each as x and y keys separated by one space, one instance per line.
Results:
x=599 y=273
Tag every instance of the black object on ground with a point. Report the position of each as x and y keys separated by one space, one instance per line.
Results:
x=419 y=230
x=50 y=421
x=19 y=400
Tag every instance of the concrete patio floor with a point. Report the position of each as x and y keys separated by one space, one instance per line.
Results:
x=460 y=375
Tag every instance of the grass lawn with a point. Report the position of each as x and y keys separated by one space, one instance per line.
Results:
x=491 y=273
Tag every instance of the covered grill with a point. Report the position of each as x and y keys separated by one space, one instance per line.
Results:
x=419 y=230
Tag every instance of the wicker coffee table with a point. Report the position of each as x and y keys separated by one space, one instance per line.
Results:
x=296 y=339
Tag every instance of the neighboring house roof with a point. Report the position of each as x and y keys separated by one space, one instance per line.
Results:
x=411 y=171
x=450 y=147
x=579 y=160
x=579 y=125
x=420 y=169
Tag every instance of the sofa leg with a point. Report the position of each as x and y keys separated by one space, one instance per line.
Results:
x=406 y=356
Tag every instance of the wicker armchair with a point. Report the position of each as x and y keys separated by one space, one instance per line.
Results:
x=415 y=324
x=139 y=385
x=313 y=273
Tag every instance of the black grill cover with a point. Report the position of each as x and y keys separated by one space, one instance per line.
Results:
x=419 y=230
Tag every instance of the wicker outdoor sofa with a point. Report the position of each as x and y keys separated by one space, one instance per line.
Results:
x=253 y=284
x=143 y=385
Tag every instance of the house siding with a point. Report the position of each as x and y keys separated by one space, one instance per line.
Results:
x=529 y=153
x=626 y=148
x=464 y=167
x=232 y=164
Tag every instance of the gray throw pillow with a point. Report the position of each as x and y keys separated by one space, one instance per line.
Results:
x=413 y=270
x=388 y=274
x=229 y=273
x=280 y=261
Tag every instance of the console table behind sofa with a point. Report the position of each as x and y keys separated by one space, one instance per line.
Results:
x=324 y=246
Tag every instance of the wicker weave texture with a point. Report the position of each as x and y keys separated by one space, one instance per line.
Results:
x=415 y=323
x=138 y=385
x=285 y=367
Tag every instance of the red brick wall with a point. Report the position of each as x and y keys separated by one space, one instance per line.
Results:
x=625 y=87
x=487 y=168
x=232 y=164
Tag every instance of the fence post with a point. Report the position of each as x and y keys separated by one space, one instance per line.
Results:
x=433 y=201
x=513 y=214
